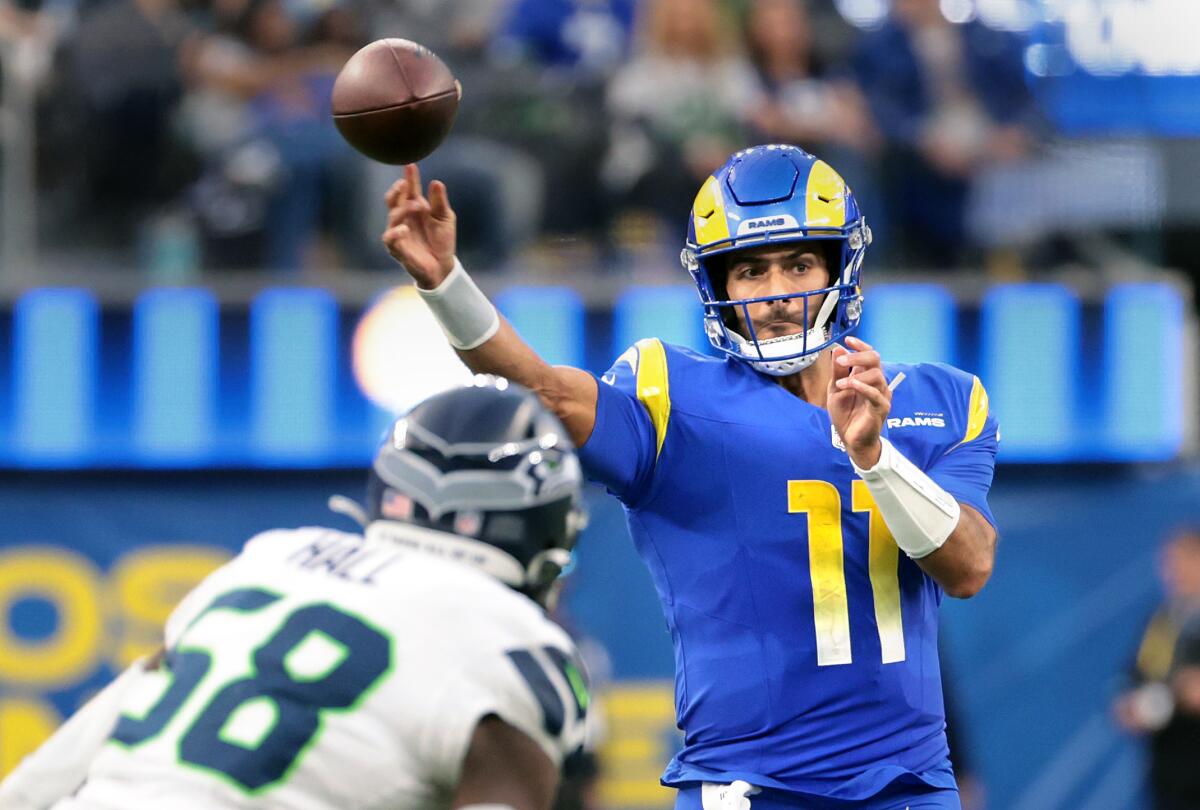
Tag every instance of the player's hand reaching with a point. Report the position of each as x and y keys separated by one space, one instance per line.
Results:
x=859 y=400
x=421 y=231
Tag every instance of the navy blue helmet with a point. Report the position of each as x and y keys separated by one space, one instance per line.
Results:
x=483 y=474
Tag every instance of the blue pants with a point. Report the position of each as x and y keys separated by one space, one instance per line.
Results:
x=894 y=797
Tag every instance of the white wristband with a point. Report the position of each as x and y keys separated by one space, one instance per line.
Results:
x=919 y=513
x=462 y=310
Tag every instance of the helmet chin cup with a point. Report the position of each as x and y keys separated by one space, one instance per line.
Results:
x=779 y=357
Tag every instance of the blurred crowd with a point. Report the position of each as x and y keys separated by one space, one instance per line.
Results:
x=197 y=132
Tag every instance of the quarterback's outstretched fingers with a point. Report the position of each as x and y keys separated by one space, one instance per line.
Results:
x=439 y=200
x=395 y=193
x=413 y=175
x=414 y=208
x=397 y=240
x=396 y=215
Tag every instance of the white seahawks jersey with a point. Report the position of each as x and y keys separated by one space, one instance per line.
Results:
x=321 y=670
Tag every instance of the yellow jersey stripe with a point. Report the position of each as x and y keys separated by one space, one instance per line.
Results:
x=653 y=387
x=824 y=197
x=977 y=412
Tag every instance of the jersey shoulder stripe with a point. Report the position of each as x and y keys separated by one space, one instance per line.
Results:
x=977 y=412
x=648 y=360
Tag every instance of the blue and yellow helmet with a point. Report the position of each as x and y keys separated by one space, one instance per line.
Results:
x=767 y=195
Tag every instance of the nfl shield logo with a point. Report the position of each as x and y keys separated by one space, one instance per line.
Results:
x=837 y=440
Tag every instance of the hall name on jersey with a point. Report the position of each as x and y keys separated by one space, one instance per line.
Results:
x=344 y=557
x=916 y=421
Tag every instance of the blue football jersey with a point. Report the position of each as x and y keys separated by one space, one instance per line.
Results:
x=805 y=641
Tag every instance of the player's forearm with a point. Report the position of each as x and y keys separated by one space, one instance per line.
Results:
x=569 y=392
x=963 y=564
x=952 y=542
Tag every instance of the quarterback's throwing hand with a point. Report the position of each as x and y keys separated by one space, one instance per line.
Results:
x=859 y=400
x=421 y=231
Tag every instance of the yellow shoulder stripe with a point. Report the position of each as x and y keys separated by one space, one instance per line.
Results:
x=977 y=412
x=653 y=388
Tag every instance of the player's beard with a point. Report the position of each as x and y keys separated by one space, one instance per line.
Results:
x=785 y=322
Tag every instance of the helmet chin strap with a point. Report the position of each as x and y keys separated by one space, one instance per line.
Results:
x=789 y=344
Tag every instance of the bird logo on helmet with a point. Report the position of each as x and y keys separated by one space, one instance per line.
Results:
x=484 y=475
x=769 y=195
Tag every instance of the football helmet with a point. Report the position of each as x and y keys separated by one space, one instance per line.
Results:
x=484 y=475
x=768 y=195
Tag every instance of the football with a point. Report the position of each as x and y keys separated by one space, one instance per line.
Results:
x=395 y=101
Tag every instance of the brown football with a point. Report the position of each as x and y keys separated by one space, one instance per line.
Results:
x=395 y=101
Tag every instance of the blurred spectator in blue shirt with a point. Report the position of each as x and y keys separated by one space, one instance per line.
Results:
x=950 y=99
x=585 y=37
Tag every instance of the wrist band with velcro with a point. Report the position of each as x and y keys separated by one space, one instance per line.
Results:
x=462 y=310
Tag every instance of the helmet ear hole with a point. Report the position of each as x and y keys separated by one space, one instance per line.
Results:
x=718 y=270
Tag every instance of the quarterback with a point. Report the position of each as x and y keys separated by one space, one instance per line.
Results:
x=802 y=507
x=410 y=667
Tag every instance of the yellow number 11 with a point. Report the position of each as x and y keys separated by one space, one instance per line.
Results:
x=826 y=566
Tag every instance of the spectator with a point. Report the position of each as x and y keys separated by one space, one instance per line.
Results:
x=678 y=108
x=802 y=102
x=491 y=155
x=584 y=37
x=949 y=99
x=276 y=86
x=1164 y=700
x=124 y=54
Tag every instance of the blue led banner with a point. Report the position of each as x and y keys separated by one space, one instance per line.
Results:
x=297 y=380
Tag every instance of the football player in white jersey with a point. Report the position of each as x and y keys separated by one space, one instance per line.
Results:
x=411 y=666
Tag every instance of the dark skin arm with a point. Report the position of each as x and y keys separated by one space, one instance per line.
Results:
x=859 y=401
x=504 y=766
